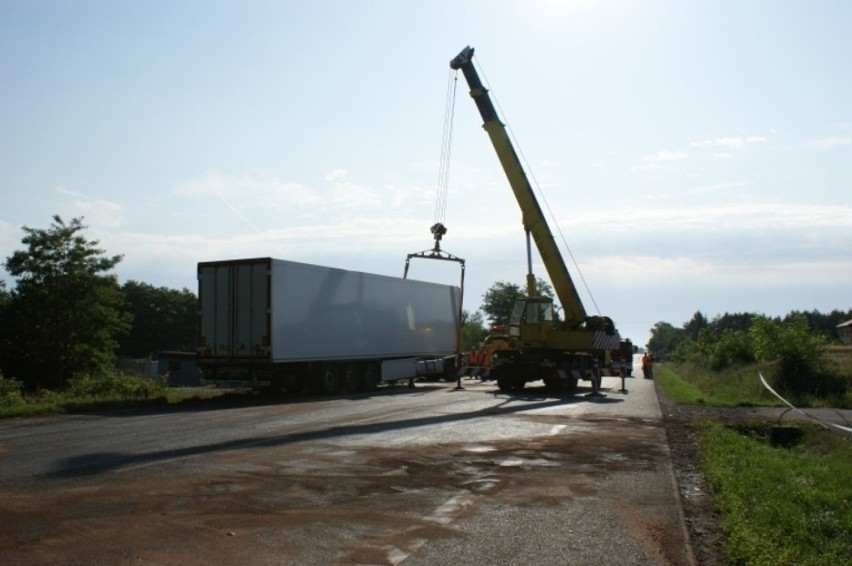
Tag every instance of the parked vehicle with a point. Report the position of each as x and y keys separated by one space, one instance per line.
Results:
x=300 y=326
x=622 y=358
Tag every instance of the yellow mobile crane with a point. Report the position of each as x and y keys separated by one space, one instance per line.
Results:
x=537 y=345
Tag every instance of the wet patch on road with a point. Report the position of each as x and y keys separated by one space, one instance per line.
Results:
x=321 y=502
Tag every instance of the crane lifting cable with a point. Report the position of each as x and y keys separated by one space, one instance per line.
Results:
x=538 y=189
x=446 y=150
x=438 y=229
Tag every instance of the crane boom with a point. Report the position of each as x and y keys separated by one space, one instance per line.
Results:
x=533 y=218
x=535 y=344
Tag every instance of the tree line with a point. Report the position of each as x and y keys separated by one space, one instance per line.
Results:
x=67 y=315
x=793 y=347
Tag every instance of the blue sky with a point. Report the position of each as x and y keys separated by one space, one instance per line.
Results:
x=696 y=155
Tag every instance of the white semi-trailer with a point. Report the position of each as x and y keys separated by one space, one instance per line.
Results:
x=307 y=327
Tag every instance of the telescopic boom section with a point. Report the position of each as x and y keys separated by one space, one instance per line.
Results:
x=533 y=217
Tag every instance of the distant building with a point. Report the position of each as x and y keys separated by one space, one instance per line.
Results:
x=181 y=367
x=844 y=331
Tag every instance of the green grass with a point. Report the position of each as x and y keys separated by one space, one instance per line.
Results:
x=781 y=505
x=785 y=493
x=738 y=386
x=678 y=389
x=101 y=393
x=692 y=384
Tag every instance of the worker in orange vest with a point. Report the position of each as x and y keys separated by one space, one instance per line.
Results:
x=648 y=365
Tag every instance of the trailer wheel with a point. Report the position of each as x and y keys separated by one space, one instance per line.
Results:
x=330 y=379
x=370 y=378
x=351 y=379
x=554 y=384
x=291 y=383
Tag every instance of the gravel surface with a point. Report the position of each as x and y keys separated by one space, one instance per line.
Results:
x=702 y=518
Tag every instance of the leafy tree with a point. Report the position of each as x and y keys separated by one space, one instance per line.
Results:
x=825 y=324
x=65 y=312
x=731 y=348
x=499 y=299
x=798 y=350
x=696 y=325
x=473 y=330
x=665 y=339
x=163 y=319
x=4 y=295
x=736 y=321
x=543 y=288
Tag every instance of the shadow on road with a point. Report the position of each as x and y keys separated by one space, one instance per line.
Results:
x=101 y=462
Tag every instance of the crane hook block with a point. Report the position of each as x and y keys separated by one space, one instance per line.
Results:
x=438 y=230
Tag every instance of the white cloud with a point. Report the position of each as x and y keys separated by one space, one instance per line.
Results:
x=831 y=143
x=733 y=143
x=96 y=212
x=667 y=155
x=250 y=188
x=662 y=161
x=719 y=156
x=354 y=196
x=714 y=188
x=742 y=217
x=336 y=175
x=68 y=192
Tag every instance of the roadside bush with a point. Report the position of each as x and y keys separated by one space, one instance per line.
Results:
x=800 y=353
x=734 y=347
x=116 y=386
x=10 y=392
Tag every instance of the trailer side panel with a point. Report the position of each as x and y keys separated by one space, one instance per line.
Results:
x=279 y=311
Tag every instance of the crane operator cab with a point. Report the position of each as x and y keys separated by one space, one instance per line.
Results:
x=529 y=319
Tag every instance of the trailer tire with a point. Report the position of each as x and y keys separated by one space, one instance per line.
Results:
x=370 y=377
x=330 y=379
x=291 y=383
x=351 y=379
x=554 y=384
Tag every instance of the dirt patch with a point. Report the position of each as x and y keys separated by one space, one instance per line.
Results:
x=324 y=502
x=320 y=500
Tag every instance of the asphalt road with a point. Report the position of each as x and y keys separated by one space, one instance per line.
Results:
x=429 y=475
